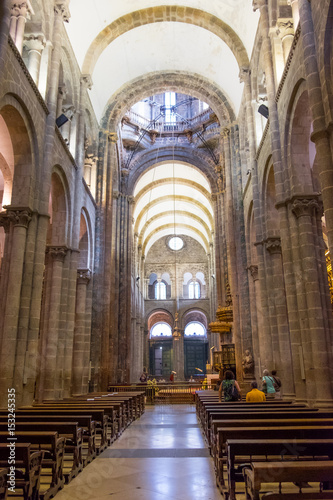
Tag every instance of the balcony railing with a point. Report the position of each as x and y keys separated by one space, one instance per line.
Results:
x=163 y=126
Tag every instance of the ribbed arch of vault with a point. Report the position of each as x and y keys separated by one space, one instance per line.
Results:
x=164 y=13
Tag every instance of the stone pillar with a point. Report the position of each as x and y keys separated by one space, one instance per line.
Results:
x=320 y=134
x=265 y=347
x=256 y=316
x=81 y=335
x=49 y=373
x=20 y=12
x=35 y=44
x=279 y=177
x=295 y=10
x=286 y=33
x=62 y=94
x=19 y=218
x=280 y=340
x=316 y=349
x=5 y=17
x=178 y=357
x=4 y=271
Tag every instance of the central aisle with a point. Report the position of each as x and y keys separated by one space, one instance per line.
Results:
x=161 y=456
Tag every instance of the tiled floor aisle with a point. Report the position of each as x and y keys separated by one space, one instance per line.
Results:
x=162 y=456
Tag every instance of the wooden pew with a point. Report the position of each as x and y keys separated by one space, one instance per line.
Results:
x=114 y=411
x=86 y=422
x=69 y=430
x=53 y=447
x=3 y=483
x=253 y=449
x=281 y=472
x=267 y=412
x=28 y=465
x=267 y=420
x=109 y=420
x=289 y=432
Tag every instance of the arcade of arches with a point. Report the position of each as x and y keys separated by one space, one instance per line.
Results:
x=166 y=190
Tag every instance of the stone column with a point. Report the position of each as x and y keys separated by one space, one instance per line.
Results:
x=320 y=134
x=35 y=44
x=19 y=218
x=281 y=346
x=81 y=335
x=316 y=350
x=178 y=357
x=50 y=375
x=4 y=271
x=256 y=316
x=20 y=13
x=62 y=94
x=295 y=10
x=286 y=33
x=265 y=346
x=5 y=16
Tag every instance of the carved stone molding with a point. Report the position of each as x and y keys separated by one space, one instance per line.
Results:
x=225 y=133
x=306 y=207
x=273 y=245
x=57 y=253
x=86 y=80
x=254 y=272
x=113 y=137
x=83 y=276
x=69 y=111
x=61 y=9
x=19 y=217
x=244 y=74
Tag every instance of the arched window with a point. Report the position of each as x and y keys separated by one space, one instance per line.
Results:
x=161 y=330
x=160 y=290
x=194 y=290
x=195 y=329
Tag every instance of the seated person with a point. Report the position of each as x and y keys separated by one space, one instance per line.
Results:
x=255 y=395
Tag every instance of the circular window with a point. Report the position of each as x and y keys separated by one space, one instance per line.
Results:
x=175 y=243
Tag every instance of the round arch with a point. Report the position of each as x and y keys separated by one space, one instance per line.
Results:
x=160 y=82
x=164 y=13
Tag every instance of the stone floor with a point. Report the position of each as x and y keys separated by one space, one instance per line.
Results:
x=162 y=456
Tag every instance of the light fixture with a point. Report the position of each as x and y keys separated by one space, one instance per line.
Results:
x=61 y=120
x=263 y=110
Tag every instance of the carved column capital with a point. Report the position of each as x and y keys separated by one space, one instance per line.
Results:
x=258 y=4
x=254 y=272
x=131 y=200
x=306 y=207
x=57 y=253
x=22 y=9
x=61 y=9
x=113 y=137
x=244 y=74
x=273 y=245
x=83 y=276
x=62 y=91
x=115 y=195
x=69 y=111
x=19 y=216
x=285 y=28
x=86 y=80
x=225 y=133
x=35 y=42
x=5 y=221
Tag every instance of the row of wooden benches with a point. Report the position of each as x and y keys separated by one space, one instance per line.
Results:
x=269 y=442
x=58 y=438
